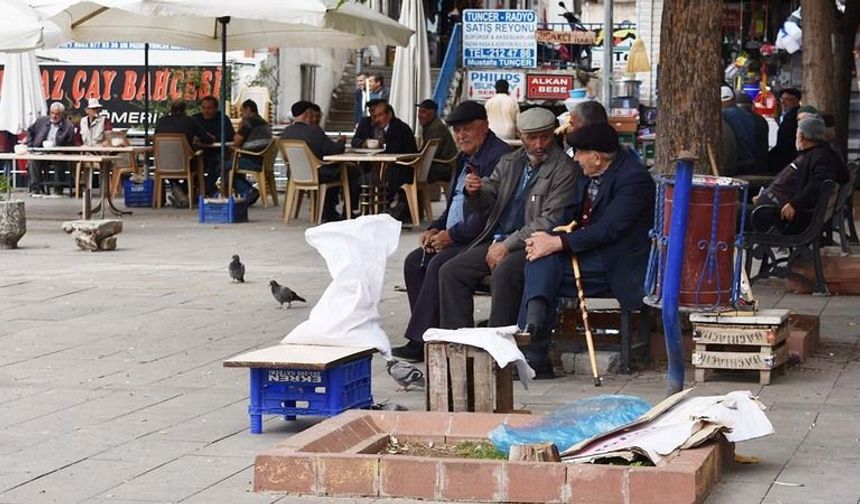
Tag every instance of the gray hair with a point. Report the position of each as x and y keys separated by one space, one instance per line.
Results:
x=589 y=112
x=58 y=106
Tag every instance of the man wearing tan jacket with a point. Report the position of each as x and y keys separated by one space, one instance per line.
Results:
x=527 y=192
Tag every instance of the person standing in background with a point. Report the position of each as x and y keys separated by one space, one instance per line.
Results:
x=502 y=111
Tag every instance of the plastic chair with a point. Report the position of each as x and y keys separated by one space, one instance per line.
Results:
x=126 y=164
x=260 y=95
x=265 y=177
x=304 y=177
x=174 y=159
x=421 y=169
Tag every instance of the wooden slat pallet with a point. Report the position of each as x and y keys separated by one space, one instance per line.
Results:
x=466 y=378
x=763 y=359
x=753 y=342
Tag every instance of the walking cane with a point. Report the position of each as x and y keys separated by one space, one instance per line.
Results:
x=589 y=340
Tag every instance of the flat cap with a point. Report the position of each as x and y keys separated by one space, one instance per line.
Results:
x=428 y=104
x=536 y=119
x=466 y=111
x=600 y=137
x=807 y=109
x=812 y=128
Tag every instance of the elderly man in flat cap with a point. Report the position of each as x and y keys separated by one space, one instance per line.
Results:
x=527 y=192
x=480 y=151
x=613 y=206
x=786 y=205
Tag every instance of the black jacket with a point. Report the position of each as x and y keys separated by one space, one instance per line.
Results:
x=213 y=126
x=484 y=161
x=319 y=143
x=399 y=138
x=185 y=125
x=784 y=151
x=620 y=221
x=38 y=132
x=799 y=182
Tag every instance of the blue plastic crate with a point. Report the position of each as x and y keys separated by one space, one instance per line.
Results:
x=228 y=212
x=137 y=195
x=294 y=392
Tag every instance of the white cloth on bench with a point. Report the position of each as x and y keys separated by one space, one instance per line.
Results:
x=497 y=341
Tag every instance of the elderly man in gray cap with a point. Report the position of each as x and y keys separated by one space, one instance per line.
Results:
x=786 y=205
x=528 y=191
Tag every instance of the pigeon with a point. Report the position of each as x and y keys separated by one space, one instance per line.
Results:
x=237 y=270
x=283 y=294
x=387 y=405
x=405 y=375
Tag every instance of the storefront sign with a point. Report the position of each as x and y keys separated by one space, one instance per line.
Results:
x=579 y=37
x=481 y=83
x=499 y=38
x=121 y=89
x=548 y=87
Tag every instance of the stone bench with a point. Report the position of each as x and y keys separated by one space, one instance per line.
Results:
x=94 y=235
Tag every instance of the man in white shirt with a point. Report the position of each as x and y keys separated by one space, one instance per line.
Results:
x=502 y=111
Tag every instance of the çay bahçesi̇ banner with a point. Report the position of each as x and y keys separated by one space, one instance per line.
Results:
x=121 y=89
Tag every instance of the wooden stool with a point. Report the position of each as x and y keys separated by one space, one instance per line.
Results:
x=466 y=378
x=753 y=341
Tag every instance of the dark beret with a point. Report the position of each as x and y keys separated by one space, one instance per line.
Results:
x=375 y=102
x=300 y=107
x=428 y=104
x=466 y=111
x=599 y=137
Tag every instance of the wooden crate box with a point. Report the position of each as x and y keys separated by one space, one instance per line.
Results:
x=466 y=378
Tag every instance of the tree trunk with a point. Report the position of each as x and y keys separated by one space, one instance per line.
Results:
x=819 y=86
x=689 y=91
x=843 y=61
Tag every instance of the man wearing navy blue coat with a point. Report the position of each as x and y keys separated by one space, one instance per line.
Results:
x=480 y=150
x=613 y=205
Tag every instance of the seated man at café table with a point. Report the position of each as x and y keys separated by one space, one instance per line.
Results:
x=94 y=125
x=303 y=113
x=384 y=130
x=787 y=204
x=211 y=119
x=51 y=130
x=528 y=191
x=613 y=205
x=480 y=151
x=433 y=127
x=177 y=121
x=254 y=135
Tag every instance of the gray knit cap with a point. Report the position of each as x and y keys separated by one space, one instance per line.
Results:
x=812 y=128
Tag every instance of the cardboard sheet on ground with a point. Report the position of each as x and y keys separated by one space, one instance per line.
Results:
x=347 y=314
x=676 y=423
x=497 y=341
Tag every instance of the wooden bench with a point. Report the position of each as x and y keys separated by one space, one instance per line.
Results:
x=466 y=378
x=291 y=380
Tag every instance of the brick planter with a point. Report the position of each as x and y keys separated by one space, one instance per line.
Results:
x=340 y=458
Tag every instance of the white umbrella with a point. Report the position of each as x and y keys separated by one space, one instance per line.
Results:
x=23 y=30
x=194 y=23
x=22 y=101
x=410 y=79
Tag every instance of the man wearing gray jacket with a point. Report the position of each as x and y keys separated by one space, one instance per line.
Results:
x=527 y=192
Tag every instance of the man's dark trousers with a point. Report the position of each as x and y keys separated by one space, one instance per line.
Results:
x=551 y=277
x=461 y=276
x=422 y=287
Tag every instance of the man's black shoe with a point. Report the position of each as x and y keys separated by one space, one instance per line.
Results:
x=412 y=352
x=253 y=196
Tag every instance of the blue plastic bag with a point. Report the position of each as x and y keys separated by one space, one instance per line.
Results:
x=579 y=420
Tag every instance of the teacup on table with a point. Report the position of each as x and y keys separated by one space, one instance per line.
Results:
x=116 y=141
x=21 y=148
x=372 y=143
x=48 y=144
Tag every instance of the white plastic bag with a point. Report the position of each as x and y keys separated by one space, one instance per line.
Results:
x=347 y=314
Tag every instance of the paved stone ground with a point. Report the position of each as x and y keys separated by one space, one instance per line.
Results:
x=112 y=389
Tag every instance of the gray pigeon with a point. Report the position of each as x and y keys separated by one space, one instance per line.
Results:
x=283 y=294
x=387 y=405
x=237 y=270
x=405 y=374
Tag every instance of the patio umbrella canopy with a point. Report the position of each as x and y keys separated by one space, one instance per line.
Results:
x=193 y=23
x=410 y=78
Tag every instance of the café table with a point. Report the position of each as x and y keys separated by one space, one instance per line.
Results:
x=372 y=194
x=104 y=162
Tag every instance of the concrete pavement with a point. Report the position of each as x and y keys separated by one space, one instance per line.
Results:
x=112 y=388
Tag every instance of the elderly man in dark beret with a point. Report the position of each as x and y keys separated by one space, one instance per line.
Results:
x=480 y=151
x=527 y=192
x=613 y=205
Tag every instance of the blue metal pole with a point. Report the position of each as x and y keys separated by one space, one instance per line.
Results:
x=674 y=268
x=224 y=185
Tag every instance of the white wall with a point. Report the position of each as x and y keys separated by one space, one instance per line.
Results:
x=331 y=64
x=649 y=14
